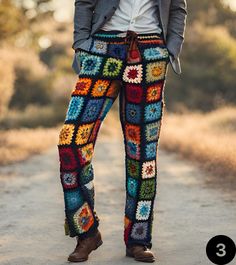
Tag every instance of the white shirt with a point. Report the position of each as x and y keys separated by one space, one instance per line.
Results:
x=137 y=15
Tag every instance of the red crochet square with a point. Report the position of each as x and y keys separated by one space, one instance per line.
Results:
x=134 y=93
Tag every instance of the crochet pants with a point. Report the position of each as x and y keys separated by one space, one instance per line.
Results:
x=134 y=67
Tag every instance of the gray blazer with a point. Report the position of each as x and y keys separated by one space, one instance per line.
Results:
x=90 y=15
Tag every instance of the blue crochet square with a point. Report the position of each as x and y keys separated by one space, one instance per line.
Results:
x=150 y=150
x=133 y=150
x=92 y=110
x=130 y=207
x=153 y=111
x=91 y=65
x=74 y=108
x=133 y=113
x=132 y=186
x=73 y=199
x=155 y=53
x=117 y=50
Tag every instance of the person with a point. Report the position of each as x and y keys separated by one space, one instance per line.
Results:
x=122 y=47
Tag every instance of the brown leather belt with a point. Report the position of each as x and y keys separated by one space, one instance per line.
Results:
x=133 y=53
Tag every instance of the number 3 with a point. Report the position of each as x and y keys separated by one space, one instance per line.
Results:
x=221 y=248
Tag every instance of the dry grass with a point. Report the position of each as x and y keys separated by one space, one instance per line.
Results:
x=206 y=138
x=17 y=145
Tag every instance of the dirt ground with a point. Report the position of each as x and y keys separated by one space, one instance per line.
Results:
x=188 y=212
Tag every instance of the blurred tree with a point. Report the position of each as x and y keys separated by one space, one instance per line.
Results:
x=212 y=13
x=209 y=67
x=35 y=10
x=12 y=20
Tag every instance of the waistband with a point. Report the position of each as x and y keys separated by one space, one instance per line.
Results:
x=117 y=35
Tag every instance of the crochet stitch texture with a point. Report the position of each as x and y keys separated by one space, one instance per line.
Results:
x=141 y=105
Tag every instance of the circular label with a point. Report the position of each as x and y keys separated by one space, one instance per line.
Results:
x=221 y=250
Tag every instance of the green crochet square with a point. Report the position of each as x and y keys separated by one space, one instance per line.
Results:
x=147 y=189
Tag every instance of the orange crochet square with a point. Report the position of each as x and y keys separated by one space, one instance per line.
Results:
x=132 y=132
x=99 y=88
x=154 y=92
x=82 y=86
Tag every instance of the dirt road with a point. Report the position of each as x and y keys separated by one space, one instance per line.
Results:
x=187 y=213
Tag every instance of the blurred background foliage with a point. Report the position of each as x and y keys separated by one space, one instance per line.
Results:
x=36 y=58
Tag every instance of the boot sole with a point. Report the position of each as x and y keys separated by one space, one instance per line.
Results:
x=81 y=260
x=128 y=254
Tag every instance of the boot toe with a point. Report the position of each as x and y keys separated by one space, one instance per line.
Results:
x=75 y=257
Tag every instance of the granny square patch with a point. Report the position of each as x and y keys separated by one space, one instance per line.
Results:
x=154 y=92
x=117 y=51
x=133 y=150
x=86 y=174
x=83 y=218
x=133 y=168
x=91 y=65
x=133 y=74
x=85 y=153
x=83 y=133
x=66 y=134
x=132 y=186
x=151 y=150
x=67 y=158
x=133 y=132
x=100 y=88
x=112 y=67
x=73 y=199
x=82 y=86
x=152 y=131
x=133 y=113
x=143 y=210
x=155 y=53
x=130 y=206
x=147 y=189
x=133 y=93
x=92 y=110
x=149 y=169
x=99 y=46
x=69 y=180
x=74 y=108
x=139 y=230
x=153 y=111
x=155 y=71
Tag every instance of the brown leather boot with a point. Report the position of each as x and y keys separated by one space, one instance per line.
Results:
x=140 y=253
x=84 y=247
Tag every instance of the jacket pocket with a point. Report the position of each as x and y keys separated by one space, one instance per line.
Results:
x=76 y=64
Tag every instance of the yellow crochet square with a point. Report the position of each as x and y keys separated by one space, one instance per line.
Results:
x=83 y=133
x=155 y=71
x=66 y=134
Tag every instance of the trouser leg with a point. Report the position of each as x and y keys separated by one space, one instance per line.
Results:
x=141 y=111
x=90 y=101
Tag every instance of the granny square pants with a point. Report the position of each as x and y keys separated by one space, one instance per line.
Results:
x=134 y=67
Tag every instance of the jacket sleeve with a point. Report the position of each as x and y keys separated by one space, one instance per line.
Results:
x=83 y=14
x=176 y=26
